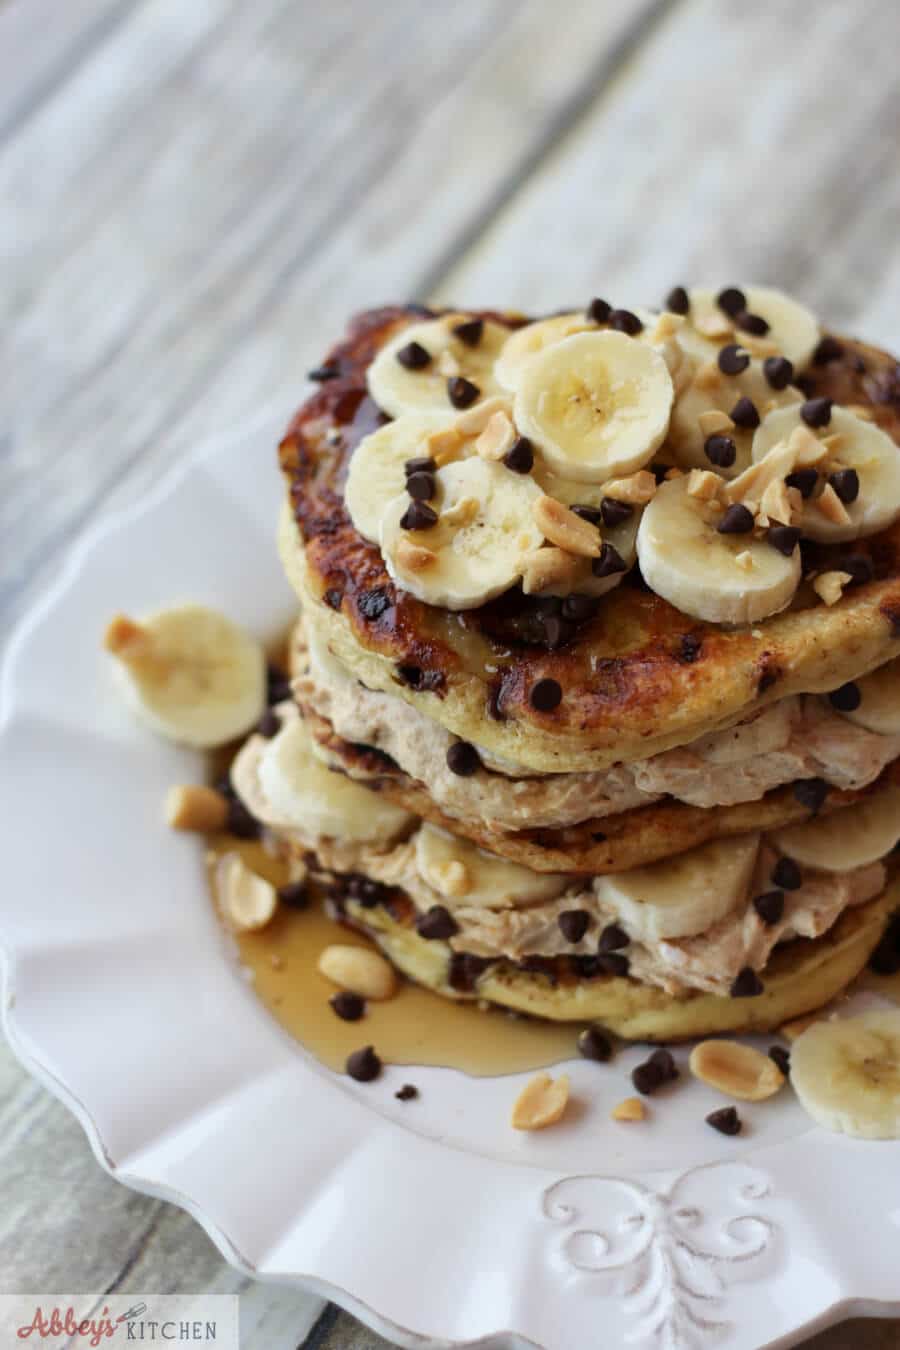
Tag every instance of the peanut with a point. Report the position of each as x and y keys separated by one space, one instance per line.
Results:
x=358 y=969
x=831 y=506
x=247 y=902
x=736 y=1070
x=714 y=420
x=192 y=807
x=703 y=484
x=544 y=567
x=637 y=488
x=541 y=1102
x=632 y=1108
x=566 y=529
x=413 y=557
x=497 y=437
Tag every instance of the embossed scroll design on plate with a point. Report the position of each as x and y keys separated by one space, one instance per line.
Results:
x=670 y=1254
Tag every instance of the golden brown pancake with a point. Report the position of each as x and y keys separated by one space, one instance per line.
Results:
x=636 y=678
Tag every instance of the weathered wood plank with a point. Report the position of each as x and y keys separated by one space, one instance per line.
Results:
x=744 y=142
x=201 y=260
x=41 y=43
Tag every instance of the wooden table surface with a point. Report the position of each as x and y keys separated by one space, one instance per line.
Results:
x=195 y=196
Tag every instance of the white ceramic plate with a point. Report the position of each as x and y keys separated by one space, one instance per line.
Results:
x=433 y=1221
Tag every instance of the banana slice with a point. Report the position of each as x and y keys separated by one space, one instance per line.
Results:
x=529 y=341
x=689 y=430
x=476 y=549
x=879 y=707
x=596 y=404
x=792 y=329
x=376 y=474
x=852 y=837
x=411 y=372
x=464 y=874
x=684 y=895
x=192 y=674
x=722 y=578
x=303 y=793
x=846 y=1073
x=862 y=447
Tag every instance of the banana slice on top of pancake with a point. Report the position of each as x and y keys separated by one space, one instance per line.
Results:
x=716 y=415
x=378 y=466
x=595 y=404
x=757 y=314
x=437 y=366
x=857 y=491
x=706 y=561
x=467 y=544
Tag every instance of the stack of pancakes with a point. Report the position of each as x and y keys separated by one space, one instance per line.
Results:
x=597 y=775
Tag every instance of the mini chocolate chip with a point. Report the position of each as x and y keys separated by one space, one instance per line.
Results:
x=520 y=455
x=648 y=1077
x=463 y=759
x=665 y=1063
x=363 y=1065
x=464 y=971
x=804 y=480
x=586 y=967
x=846 y=484
x=437 y=924
x=787 y=875
x=614 y=512
x=461 y=392
x=829 y=349
x=746 y=984
x=778 y=1055
x=860 y=568
x=470 y=331
x=598 y=836
x=678 y=301
x=599 y=310
x=333 y=597
x=751 y=323
x=609 y=562
x=294 y=894
x=414 y=356
x=573 y=924
x=240 y=822
x=816 y=412
x=733 y=359
x=420 y=486
x=770 y=906
x=613 y=963
x=348 y=1006
x=732 y=301
x=269 y=724
x=659 y=472
x=367 y=892
x=418 y=516
x=372 y=604
x=720 y=450
x=847 y=698
x=408 y=1093
x=779 y=371
x=320 y=374
x=593 y=514
x=726 y=1120
x=595 y=1044
x=577 y=608
x=690 y=648
x=625 y=322
x=744 y=414
x=420 y=464
x=612 y=939
x=811 y=792
x=737 y=519
x=545 y=695
x=783 y=537
x=556 y=631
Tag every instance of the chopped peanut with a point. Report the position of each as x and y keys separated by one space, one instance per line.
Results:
x=196 y=808
x=632 y=1108
x=831 y=506
x=713 y=421
x=444 y=445
x=462 y=514
x=544 y=567
x=703 y=484
x=358 y=969
x=744 y=560
x=715 y=324
x=637 y=488
x=497 y=437
x=829 y=586
x=474 y=420
x=566 y=529
x=775 y=503
x=667 y=325
x=541 y=1102
x=412 y=557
